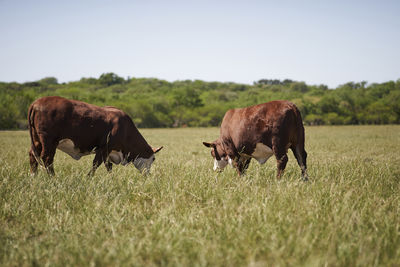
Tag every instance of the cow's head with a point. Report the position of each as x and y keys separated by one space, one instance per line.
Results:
x=144 y=164
x=221 y=158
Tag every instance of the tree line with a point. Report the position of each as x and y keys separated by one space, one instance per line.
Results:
x=158 y=103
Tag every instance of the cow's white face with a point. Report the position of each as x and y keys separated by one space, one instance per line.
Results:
x=143 y=164
x=220 y=164
x=221 y=159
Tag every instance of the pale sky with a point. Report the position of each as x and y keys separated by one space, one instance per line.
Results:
x=319 y=42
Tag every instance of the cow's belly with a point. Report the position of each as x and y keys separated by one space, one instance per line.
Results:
x=262 y=153
x=68 y=146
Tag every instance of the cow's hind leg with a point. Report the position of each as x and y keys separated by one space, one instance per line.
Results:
x=33 y=162
x=282 y=160
x=47 y=155
x=34 y=153
x=301 y=157
x=281 y=157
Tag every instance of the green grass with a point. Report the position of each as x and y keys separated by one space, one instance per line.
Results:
x=185 y=214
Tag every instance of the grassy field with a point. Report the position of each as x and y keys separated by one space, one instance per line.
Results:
x=185 y=214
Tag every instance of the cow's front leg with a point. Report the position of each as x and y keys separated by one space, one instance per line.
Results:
x=108 y=165
x=241 y=164
x=99 y=158
x=245 y=164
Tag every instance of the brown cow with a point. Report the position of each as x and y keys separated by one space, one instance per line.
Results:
x=259 y=132
x=80 y=129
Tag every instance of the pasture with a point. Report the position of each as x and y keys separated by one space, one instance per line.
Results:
x=184 y=214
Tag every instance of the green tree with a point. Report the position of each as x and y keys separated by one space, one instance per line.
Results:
x=108 y=79
x=49 y=80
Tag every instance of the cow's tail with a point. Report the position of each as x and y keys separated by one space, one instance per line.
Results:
x=31 y=127
x=300 y=126
x=299 y=151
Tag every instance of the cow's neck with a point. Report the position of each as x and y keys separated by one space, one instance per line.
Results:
x=138 y=147
x=229 y=147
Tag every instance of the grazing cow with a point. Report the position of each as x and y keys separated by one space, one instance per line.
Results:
x=259 y=132
x=80 y=129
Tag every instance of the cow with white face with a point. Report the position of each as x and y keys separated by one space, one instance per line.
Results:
x=79 y=129
x=258 y=132
x=221 y=159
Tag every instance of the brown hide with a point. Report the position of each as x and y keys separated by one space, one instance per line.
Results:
x=276 y=124
x=92 y=129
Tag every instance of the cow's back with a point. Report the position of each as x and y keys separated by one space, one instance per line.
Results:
x=64 y=115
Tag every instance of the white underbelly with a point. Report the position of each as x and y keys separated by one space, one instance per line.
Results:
x=262 y=153
x=68 y=146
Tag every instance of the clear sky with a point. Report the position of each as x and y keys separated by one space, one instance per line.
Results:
x=320 y=42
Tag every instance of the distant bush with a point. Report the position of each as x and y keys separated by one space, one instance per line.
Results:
x=158 y=103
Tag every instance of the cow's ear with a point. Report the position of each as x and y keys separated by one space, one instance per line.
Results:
x=208 y=144
x=155 y=150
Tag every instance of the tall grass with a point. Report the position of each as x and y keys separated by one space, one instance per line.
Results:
x=185 y=214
